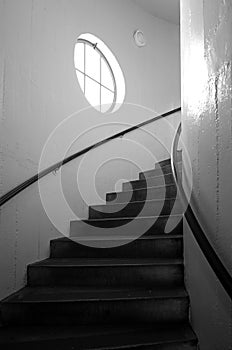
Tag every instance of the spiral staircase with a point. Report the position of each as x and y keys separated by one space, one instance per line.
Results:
x=130 y=296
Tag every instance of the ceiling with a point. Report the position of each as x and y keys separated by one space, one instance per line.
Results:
x=165 y=9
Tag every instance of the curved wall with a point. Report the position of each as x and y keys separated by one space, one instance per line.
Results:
x=206 y=49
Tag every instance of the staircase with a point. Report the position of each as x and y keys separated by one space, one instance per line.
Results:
x=126 y=297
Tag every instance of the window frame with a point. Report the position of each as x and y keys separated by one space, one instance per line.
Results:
x=102 y=56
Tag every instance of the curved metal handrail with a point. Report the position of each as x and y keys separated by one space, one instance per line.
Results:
x=12 y=193
x=206 y=247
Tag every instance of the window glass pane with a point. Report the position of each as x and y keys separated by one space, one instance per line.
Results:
x=79 y=56
x=80 y=78
x=92 y=63
x=98 y=82
x=106 y=77
x=107 y=98
x=92 y=93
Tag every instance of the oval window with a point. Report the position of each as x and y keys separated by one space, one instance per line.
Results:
x=99 y=74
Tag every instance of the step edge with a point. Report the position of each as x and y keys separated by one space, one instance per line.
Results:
x=128 y=218
x=151 y=237
x=135 y=202
x=174 y=293
x=189 y=337
x=151 y=177
x=93 y=300
x=175 y=262
x=141 y=189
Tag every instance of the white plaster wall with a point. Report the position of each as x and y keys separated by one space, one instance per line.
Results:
x=39 y=89
x=206 y=54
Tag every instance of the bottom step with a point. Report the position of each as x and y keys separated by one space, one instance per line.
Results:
x=75 y=305
x=170 y=337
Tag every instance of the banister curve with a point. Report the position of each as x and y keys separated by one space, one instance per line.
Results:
x=12 y=193
x=199 y=234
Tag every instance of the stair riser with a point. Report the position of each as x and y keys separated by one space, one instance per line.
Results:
x=91 y=312
x=142 y=195
x=144 y=248
x=150 y=225
x=166 y=162
x=157 y=172
x=73 y=344
x=107 y=276
x=153 y=208
x=150 y=182
x=179 y=346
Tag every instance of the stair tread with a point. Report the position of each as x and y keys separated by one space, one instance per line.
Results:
x=101 y=336
x=95 y=262
x=150 y=178
x=153 y=225
x=162 y=175
x=78 y=294
x=148 y=237
x=160 y=167
x=135 y=202
x=132 y=218
x=140 y=189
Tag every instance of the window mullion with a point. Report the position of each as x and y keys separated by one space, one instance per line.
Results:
x=98 y=82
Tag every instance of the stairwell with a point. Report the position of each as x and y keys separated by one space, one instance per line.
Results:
x=127 y=297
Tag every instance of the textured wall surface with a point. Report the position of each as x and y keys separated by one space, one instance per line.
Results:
x=39 y=89
x=206 y=46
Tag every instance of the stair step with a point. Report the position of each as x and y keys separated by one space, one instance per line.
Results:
x=159 y=246
x=133 y=209
x=130 y=296
x=162 y=180
x=158 y=171
x=100 y=272
x=158 y=192
x=169 y=337
x=129 y=227
x=164 y=162
x=167 y=161
x=60 y=305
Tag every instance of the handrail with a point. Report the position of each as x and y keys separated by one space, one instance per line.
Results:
x=209 y=252
x=12 y=193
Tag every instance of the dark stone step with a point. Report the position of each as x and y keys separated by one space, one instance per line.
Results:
x=120 y=228
x=168 y=337
x=133 y=209
x=162 y=180
x=159 y=192
x=164 y=246
x=158 y=171
x=167 y=161
x=46 y=305
x=121 y=273
x=164 y=162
